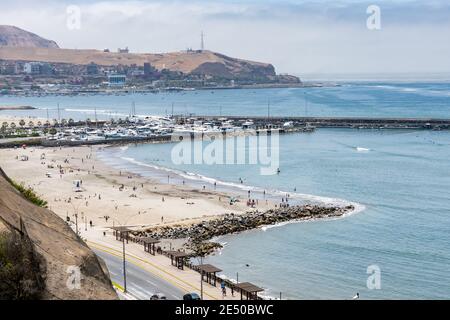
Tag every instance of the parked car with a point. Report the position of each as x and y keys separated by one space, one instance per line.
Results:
x=158 y=296
x=191 y=296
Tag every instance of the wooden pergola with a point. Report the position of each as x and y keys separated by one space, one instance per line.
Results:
x=177 y=258
x=210 y=272
x=121 y=233
x=249 y=289
x=149 y=244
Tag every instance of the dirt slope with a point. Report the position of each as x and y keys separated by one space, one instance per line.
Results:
x=15 y=37
x=56 y=246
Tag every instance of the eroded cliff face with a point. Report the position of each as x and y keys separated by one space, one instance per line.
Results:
x=55 y=251
x=11 y=36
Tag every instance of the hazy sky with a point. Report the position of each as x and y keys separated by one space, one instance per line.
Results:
x=296 y=36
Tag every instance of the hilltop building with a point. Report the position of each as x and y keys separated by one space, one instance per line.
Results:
x=125 y=50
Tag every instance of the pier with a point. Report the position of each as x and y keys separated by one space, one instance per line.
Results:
x=341 y=122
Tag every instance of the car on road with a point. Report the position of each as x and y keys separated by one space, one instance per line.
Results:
x=158 y=296
x=191 y=296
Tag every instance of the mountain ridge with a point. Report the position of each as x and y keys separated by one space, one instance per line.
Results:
x=196 y=62
x=12 y=36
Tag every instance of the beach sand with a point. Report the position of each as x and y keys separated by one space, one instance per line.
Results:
x=141 y=203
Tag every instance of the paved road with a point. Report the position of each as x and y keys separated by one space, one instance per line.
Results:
x=140 y=283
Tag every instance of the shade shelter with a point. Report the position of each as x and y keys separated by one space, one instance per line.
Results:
x=149 y=244
x=249 y=290
x=121 y=233
x=209 y=271
x=177 y=258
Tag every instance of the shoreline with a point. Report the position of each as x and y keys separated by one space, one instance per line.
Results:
x=200 y=236
x=187 y=203
x=139 y=204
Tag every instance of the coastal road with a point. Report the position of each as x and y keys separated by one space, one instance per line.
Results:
x=140 y=283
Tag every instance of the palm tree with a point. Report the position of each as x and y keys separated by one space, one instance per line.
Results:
x=63 y=122
x=71 y=122
x=22 y=123
x=31 y=124
x=12 y=126
x=5 y=125
x=39 y=124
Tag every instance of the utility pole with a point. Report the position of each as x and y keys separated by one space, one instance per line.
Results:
x=59 y=115
x=172 y=110
x=306 y=106
x=202 y=41
x=201 y=279
x=124 y=267
x=268 y=109
x=76 y=222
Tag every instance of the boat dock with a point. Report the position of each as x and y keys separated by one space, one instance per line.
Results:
x=341 y=122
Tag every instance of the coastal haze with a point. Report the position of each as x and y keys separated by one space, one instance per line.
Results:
x=352 y=113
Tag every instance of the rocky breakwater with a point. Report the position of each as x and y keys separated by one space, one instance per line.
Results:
x=199 y=235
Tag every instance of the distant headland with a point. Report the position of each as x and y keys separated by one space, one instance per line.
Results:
x=30 y=62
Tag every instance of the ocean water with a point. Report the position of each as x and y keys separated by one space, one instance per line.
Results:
x=373 y=99
x=402 y=180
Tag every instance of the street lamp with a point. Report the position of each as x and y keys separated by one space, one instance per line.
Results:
x=123 y=252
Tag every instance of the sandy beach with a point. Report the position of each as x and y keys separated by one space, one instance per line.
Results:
x=124 y=198
x=111 y=198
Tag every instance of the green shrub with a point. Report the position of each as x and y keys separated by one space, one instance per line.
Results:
x=30 y=195
x=20 y=277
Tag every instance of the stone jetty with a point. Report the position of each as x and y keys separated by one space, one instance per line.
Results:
x=199 y=235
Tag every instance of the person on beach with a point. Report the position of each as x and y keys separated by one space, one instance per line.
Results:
x=224 y=289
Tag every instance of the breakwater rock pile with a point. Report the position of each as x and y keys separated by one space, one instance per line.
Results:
x=199 y=234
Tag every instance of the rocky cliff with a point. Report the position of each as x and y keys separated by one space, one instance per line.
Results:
x=50 y=250
x=11 y=36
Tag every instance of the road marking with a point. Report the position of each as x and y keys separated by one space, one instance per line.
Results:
x=94 y=244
